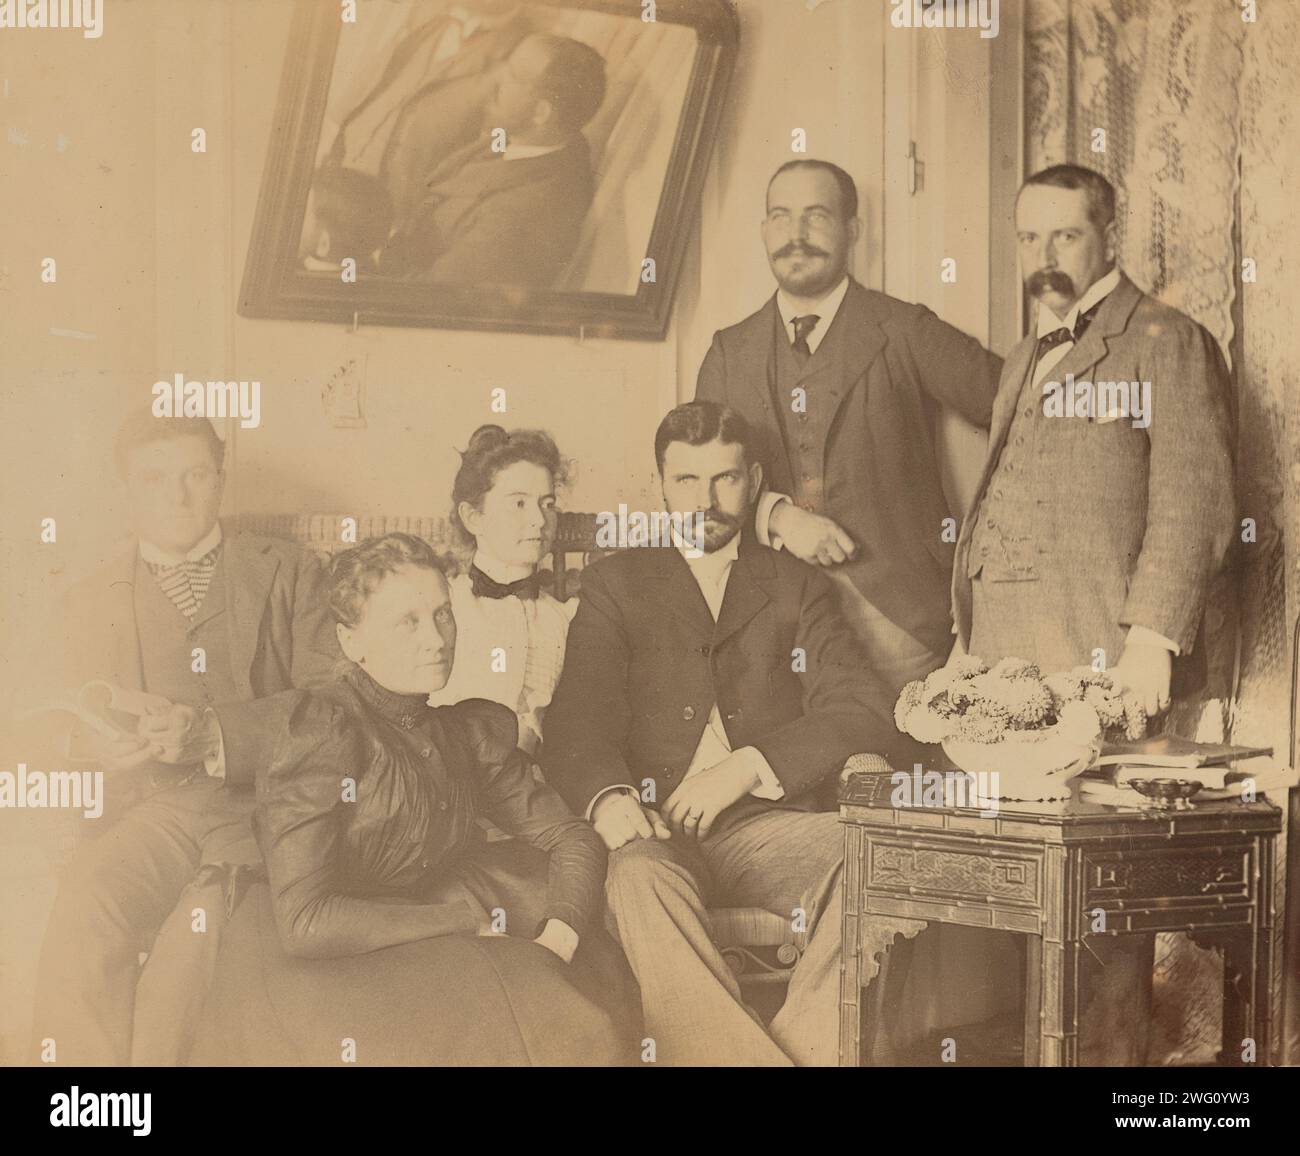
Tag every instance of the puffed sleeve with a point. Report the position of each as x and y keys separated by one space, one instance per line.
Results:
x=302 y=811
x=522 y=805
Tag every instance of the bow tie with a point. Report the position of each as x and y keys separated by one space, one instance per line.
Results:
x=1062 y=335
x=485 y=587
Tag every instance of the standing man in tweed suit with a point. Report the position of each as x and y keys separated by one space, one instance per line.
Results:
x=1104 y=512
x=1105 y=506
x=842 y=386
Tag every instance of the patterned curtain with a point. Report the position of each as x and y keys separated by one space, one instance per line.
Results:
x=1191 y=112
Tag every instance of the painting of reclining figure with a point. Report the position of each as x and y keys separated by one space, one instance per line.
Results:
x=488 y=164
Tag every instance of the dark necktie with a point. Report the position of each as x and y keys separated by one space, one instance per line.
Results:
x=1062 y=335
x=485 y=587
x=802 y=327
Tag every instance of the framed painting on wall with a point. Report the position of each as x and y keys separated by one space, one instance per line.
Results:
x=494 y=164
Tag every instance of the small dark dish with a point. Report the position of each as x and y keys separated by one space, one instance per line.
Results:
x=1167 y=794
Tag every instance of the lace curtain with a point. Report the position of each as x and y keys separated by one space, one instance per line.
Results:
x=1191 y=112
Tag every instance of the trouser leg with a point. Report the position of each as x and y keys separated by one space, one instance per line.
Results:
x=791 y=863
x=173 y=988
x=118 y=891
x=689 y=996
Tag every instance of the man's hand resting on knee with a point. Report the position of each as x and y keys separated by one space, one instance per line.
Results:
x=619 y=818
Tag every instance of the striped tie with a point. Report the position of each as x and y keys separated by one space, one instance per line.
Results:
x=186 y=583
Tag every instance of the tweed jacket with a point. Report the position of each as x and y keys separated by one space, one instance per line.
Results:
x=281 y=635
x=1137 y=520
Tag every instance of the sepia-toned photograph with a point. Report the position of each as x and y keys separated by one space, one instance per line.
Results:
x=548 y=534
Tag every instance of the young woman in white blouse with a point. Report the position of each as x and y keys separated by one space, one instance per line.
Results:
x=510 y=634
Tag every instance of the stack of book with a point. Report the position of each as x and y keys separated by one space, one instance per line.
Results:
x=1216 y=766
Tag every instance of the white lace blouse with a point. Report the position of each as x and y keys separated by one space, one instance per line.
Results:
x=508 y=650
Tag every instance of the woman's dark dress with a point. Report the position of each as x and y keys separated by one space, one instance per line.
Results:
x=378 y=878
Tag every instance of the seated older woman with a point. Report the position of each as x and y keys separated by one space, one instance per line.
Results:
x=389 y=930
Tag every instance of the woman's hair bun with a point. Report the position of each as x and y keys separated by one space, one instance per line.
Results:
x=485 y=439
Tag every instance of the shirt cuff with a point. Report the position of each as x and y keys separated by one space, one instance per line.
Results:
x=596 y=798
x=215 y=764
x=769 y=786
x=767 y=502
x=566 y=918
x=1147 y=636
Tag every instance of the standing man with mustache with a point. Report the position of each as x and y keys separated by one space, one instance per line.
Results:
x=1098 y=532
x=841 y=385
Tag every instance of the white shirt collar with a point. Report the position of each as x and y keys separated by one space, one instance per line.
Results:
x=826 y=309
x=1047 y=321
x=498 y=571
x=159 y=557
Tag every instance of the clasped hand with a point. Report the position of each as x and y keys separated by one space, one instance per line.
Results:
x=690 y=811
x=179 y=735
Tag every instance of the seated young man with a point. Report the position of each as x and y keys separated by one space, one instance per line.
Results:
x=256 y=610
x=706 y=693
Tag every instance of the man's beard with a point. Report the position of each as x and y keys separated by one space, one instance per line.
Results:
x=724 y=528
x=1043 y=281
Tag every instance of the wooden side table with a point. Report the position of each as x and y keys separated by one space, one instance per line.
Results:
x=1044 y=869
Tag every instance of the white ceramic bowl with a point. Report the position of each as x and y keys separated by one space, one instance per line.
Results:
x=1027 y=771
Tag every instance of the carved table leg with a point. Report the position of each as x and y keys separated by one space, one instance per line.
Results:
x=1033 y=1045
x=1057 y=955
x=1269 y=1002
x=883 y=995
x=1237 y=950
x=851 y=951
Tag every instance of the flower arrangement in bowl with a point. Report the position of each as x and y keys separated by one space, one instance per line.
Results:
x=1034 y=732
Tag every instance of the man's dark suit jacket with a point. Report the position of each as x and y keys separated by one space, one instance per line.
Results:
x=645 y=664
x=281 y=636
x=879 y=463
x=497 y=221
x=446 y=112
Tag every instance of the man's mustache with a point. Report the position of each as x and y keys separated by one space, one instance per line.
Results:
x=719 y=516
x=796 y=248
x=1043 y=280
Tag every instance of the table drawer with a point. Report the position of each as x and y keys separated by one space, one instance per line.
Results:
x=949 y=870
x=1172 y=874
